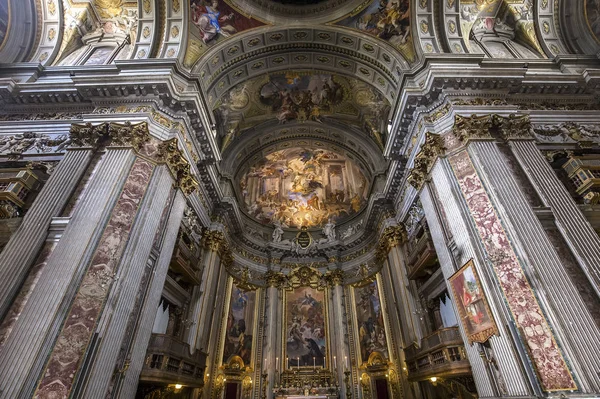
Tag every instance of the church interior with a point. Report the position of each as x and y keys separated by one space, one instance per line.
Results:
x=285 y=199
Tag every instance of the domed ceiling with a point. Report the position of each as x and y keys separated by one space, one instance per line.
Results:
x=301 y=186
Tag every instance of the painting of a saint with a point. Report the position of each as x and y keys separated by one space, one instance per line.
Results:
x=472 y=305
x=210 y=22
x=305 y=328
x=240 y=324
x=369 y=316
x=592 y=14
x=303 y=187
x=388 y=20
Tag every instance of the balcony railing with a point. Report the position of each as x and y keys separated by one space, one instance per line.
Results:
x=186 y=262
x=442 y=354
x=168 y=361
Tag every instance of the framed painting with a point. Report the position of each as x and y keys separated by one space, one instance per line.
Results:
x=472 y=305
x=369 y=315
x=305 y=331
x=239 y=327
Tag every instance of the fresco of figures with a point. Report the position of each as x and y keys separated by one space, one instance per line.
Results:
x=388 y=20
x=305 y=328
x=592 y=13
x=303 y=187
x=210 y=22
x=240 y=324
x=369 y=315
x=301 y=97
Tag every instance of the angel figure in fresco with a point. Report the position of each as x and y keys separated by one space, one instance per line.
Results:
x=209 y=21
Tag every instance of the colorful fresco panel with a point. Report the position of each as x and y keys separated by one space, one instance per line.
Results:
x=303 y=187
x=240 y=325
x=369 y=316
x=305 y=328
x=210 y=23
x=388 y=20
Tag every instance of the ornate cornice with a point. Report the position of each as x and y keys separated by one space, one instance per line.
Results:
x=178 y=165
x=432 y=148
x=275 y=279
x=334 y=277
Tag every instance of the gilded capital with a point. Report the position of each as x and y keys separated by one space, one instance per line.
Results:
x=514 y=127
x=87 y=135
x=274 y=279
x=213 y=239
x=391 y=237
x=127 y=134
x=432 y=148
x=334 y=277
x=169 y=152
x=472 y=128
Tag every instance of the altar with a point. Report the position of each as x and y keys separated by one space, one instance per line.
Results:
x=307 y=397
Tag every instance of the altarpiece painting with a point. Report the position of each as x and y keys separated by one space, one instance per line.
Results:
x=370 y=320
x=239 y=329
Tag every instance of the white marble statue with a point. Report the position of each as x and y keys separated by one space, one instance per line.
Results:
x=329 y=231
x=277 y=233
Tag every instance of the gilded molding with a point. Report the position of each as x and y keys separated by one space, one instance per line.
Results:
x=275 y=279
x=514 y=127
x=127 y=134
x=432 y=148
x=472 y=128
x=87 y=135
x=178 y=165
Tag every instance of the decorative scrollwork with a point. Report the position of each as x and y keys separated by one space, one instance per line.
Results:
x=129 y=135
x=431 y=149
x=178 y=165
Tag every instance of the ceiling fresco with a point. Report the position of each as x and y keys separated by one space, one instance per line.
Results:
x=212 y=21
x=299 y=97
x=388 y=20
x=4 y=15
x=592 y=15
x=299 y=187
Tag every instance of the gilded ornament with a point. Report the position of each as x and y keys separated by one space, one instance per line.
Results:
x=514 y=127
x=87 y=135
x=51 y=7
x=146 y=32
x=178 y=165
x=473 y=127
x=424 y=160
x=424 y=27
x=174 y=31
x=275 y=279
x=51 y=34
x=127 y=134
x=147 y=6
x=391 y=237
x=176 y=6
x=334 y=277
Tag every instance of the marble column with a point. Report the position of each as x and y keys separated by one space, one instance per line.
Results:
x=137 y=352
x=23 y=247
x=271 y=334
x=204 y=303
x=339 y=333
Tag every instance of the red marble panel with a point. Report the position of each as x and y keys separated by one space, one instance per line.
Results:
x=61 y=369
x=547 y=358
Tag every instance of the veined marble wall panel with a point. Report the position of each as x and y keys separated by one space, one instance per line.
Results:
x=468 y=247
x=144 y=328
x=579 y=334
x=112 y=324
x=25 y=350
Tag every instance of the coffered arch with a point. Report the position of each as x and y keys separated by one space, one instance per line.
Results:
x=33 y=31
x=272 y=49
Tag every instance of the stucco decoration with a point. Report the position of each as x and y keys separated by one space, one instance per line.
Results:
x=211 y=23
x=303 y=187
x=388 y=20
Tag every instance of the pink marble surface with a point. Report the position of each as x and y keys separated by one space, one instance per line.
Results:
x=61 y=369
x=19 y=304
x=552 y=370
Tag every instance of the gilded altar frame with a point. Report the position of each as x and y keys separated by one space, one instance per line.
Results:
x=314 y=283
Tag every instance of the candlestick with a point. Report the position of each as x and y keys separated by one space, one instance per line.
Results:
x=314 y=363
x=287 y=362
x=334 y=363
x=346 y=361
x=298 y=359
x=276 y=363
